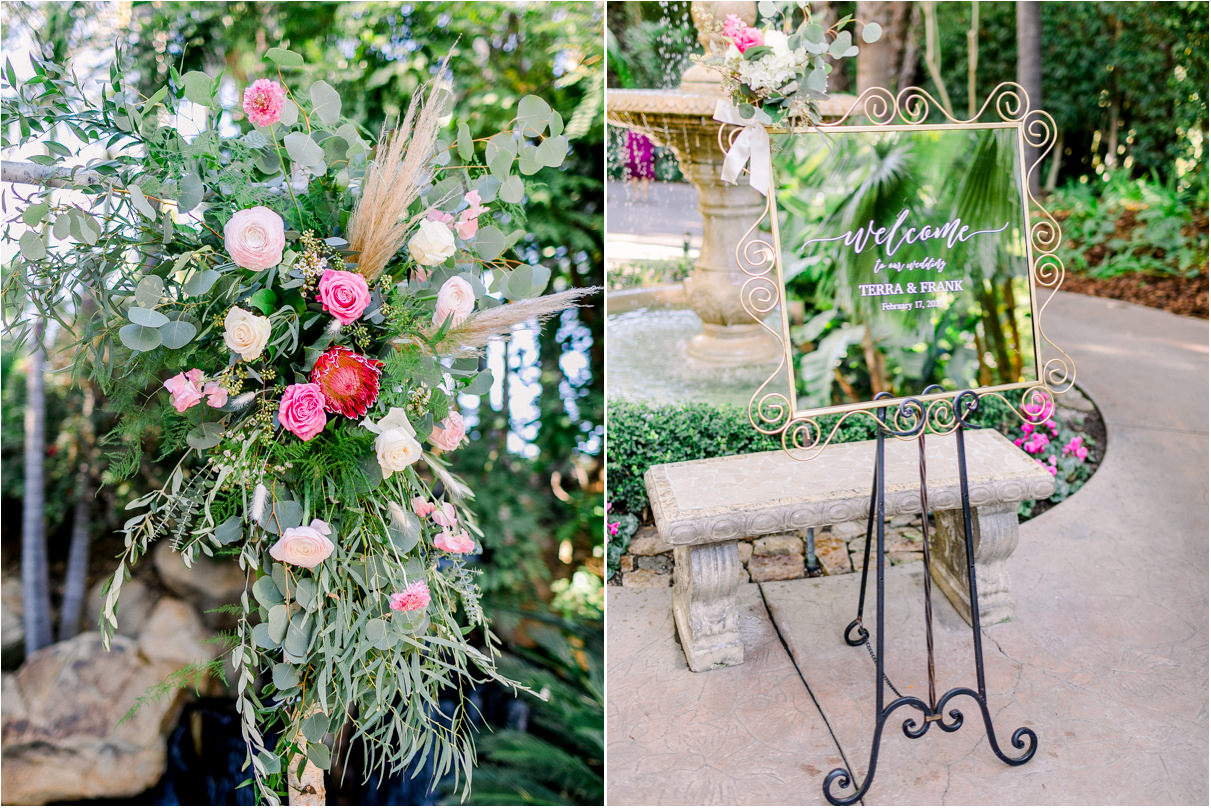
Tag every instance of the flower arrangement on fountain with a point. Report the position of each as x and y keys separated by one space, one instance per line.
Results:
x=777 y=73
x=294 y=316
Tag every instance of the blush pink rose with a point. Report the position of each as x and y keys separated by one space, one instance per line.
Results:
x=345 y=295
x=747 y=38
x=455 y=300
x=422 y=507
x=414 y=598
x=255 y=238
x=184 y=389
x=302 y=410
x=304 y=546
x=216 y=394
x=445 y=516
x=454 y=542
x=449 y=433
x=264 y=101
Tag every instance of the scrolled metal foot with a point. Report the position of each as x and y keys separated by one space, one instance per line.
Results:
x=1022 y=738
x=862 y=635
x=842 y=778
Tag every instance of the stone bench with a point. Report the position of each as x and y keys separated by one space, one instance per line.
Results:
x=703 y=507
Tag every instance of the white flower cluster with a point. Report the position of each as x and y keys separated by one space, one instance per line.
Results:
x=773 y=70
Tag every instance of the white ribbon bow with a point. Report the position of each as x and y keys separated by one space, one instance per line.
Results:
x=751 y=147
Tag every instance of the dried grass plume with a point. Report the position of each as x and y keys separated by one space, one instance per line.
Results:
x=478 y=331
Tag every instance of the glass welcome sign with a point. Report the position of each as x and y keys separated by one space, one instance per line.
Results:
x=905 y=257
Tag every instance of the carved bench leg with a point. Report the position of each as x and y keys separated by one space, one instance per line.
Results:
x=995 y=536
x=705 y=606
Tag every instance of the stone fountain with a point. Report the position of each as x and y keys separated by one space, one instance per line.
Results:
x=683 y=120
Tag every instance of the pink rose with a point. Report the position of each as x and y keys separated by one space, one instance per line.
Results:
x=345 y=295
x=414 y=598
x=184 y=389
x=422 y=507
x=263 y=102
x=216 y=394
x=455 y=300
x=449 y=433
x=302 y=410
x=454 y=542
x=304 y=546
x=445 y=516
x=748 y=38
x=255 y=238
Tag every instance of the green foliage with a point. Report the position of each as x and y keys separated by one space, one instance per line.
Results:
x=620 y=530
x=650 y=273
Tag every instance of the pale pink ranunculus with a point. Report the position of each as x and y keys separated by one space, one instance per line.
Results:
x=455 y=300
x=422 y=507
x=184 y=389
x=448 y=435
x=255 y=238
x=459 y=542
x=304 y=546
x=345 y=295
x=747 y=38
x=301 y=410
x=445 y=515
x=216 y=394
x=414 y=598
x=264 y=101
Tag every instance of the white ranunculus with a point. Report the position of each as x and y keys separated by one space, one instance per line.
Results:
x=246 y=333
x=432 y=244
x=396 y=450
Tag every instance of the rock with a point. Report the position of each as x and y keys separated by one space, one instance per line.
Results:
x=174 y=633
x=905 y=520
x=135 y=603
x=833 y=555
x=897 y=558
x=779 y=544
x=12 y=623
x=626 y=563
x=647 y=542
x=847 y=530
x=646 y=579
x=904 y=540
x=776 y=568
x=61 y=738
x=745 y=549
x=208 y=584
x=659 y=563
x=857 y=555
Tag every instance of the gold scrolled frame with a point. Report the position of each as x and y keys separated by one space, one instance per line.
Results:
x=772 y=411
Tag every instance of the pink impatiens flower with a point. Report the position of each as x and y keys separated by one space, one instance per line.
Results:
x=1076 y=448
x=264 y=101
x=184 y=389
x=454 y=542
x=414 y=598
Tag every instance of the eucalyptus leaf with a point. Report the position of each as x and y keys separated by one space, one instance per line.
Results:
x=231 y=531
x=376 y=634
x=314 y=727
x=303 y=150
x=282 y=515
x=62 y=227
x=489 y=242
x=148 y=317
x=305 y=594
x=191 y=192
x=284 y=57
x=528 y=162
x=319 y=754
x=466 y=149
x=35 y=213
x=177 y=333
x=139 y=338
x=480 y=384
x=404 y=530
x=139 y=199
x=555 y=126
x=148 y=292
x=512 y=190
x=840 y=45
x=326 y=102
x=552 y=151
x=260 y=636
x=200 y=283
x=290 y=113
x=198 y=87
x=279 y=618
x=533 y=115
x=285 y=676
x=871 y=32
x=33 y=248
x=488 y=187
x=205 y=436
x=298 y=635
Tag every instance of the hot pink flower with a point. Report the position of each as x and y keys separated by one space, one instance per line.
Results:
x=1036 y=443
x=732 y=25
x=414 y=598
x=216 y=394
x=1027 y=428
x=445 y=516
x=748 y=38
x=345 y=295
x=302 y=410
x=454 y=542
x=422 y=507
x=263 y=102
x=613 y=527
x=184 y=389
x=449 y=433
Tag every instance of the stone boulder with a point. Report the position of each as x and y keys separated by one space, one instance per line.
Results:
x=12 y=623
x=62 y=741
x=134 y=607
x=208 y=584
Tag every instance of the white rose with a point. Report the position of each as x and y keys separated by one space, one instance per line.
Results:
x=246 y=333
x=396 y=450
x=432 y=244
x=455 y=300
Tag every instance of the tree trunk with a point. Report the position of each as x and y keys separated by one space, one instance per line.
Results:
x=76 y=584
x=933 y=61
x=1030 y=72
x=879 y=64
x=908 y=62
x=35 y=578
x=973 y=58
x=826 y=16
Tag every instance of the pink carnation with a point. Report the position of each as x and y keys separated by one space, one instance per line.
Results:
x=302 y=410
x=184 y=389
x=454 y=542
x=345 y=295
x=449 y=433
x=422 y=507
x=414 y=598
x=264 y=101
x=216 y=394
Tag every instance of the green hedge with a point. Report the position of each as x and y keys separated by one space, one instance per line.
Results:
x=644 y=435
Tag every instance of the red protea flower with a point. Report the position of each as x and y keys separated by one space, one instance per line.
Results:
x=348 y=380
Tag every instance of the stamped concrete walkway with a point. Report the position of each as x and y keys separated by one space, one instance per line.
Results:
x=1106 y=657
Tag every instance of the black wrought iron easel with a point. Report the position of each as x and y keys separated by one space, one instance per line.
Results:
x=964 y=405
